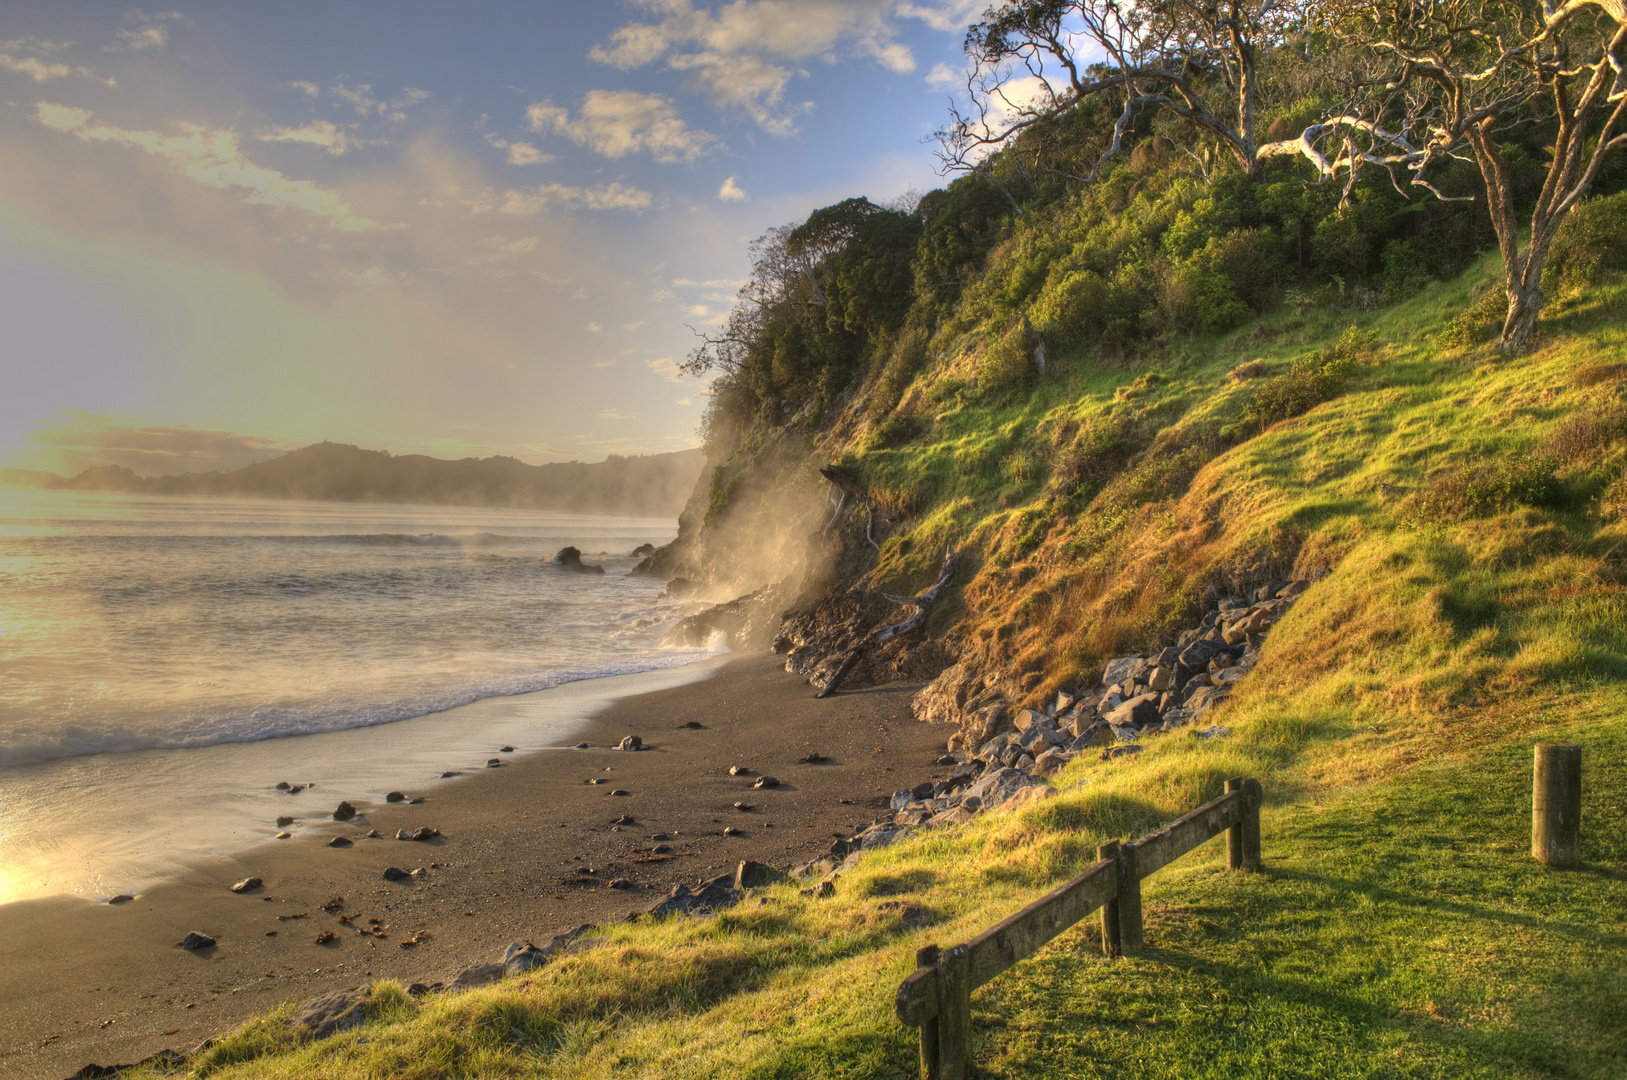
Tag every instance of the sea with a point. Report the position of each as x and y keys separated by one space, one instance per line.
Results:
x=166 y=661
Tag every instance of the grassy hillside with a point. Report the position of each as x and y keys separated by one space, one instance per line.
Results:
x=1467 y=510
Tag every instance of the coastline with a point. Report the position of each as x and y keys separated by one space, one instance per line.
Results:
x=98 y=983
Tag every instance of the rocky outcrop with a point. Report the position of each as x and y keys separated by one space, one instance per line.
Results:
x=571 y=559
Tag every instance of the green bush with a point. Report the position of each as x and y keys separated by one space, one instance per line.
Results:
x=1073 y=306
x=1481 y=320
x=1491 y=487
x=1006 y=365
x=1590 y=247
x=1313 y=379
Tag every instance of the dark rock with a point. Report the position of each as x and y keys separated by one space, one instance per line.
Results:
x=620 y=883
x=812 y=759
x=947 y=759
x=660 y=836
x=713 y=895
x=731 y=830
x=739 y=770
x=505 y=749
x=520 y=957
x=165 y=1062
x=744 y=807
x=619 y=792
x=694 y=725
x=395 y=873
x=1125 y=669
x=676 y=587
x=1120 y=751
x=296 y=789
x=326 y=936
x=571 y=559
x=631 y=742
x=494 y=763
x=395 y=796
x=641 y=551
x=1137 y=712
x=479 y=975
x=625 y=819
x=246 y=884
x=580 y=746
x=331 y=1014
x=449 y=774
x=662 y=849
x=195 y=940
x=751 y=875
x=122 y=898
x=344 y=812
x=282 y=785
x=284 y=822
x=340 y=841
x=766 y=782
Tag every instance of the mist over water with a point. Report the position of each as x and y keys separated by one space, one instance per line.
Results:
x=184 y=626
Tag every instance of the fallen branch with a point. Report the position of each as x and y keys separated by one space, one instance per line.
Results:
x=921 y=602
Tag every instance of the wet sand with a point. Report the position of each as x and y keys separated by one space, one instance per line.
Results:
x=83 y=982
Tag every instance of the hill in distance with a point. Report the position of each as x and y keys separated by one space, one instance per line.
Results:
x=654 y=485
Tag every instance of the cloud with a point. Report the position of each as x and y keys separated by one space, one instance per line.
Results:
x=731 y=191
x=744 y=55
x=664 y=367
x=146 y=37
x=310 y=89
x=595 y=328
x=359 y=97
x=77 y=440
x=212 y=158
x=616 y=414
x=328 y=136
x=943 y=77
x=523 y=153
x=45 y=70
x=951 y=16
x=615 y=123
x=632 y=326
x=525 y=202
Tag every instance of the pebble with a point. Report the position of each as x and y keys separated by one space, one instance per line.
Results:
x=581 y=746
x=599 y=780
x=395 y=796
x=732 y=831
x=620 y=883
x=283 y=835
x=619 y=791
x=660 y=836
x=812 y=759
x=494 y=763
x=631 y=742
x=625 y=819
x=340 y=841
x=122 y=898
x=284 y=822
x=344 y=812
x=246 y=884
x=744 y=807
x=449 y=774
x=659 y=849
x=282 y=785
x=505 y=750
x=395 y=873
x=694 y=725
x=766 y=782
x=739 y=770
x=195 y=940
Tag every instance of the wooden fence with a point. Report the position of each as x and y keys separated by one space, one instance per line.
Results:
x=937 y=998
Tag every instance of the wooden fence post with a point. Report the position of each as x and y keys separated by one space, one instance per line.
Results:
x=955 y=1014
x=1556 y=805
x=1129 y=901
x=928 y=958
x=1243 y=839
x=1110 y=910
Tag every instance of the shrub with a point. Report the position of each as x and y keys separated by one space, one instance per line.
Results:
x=1591 y=245
x=1073 y=306
x=1312 y=380
x=1481 y=320
x=1007 y=364
x=1490 y=487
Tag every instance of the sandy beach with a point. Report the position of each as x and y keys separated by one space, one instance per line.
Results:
x=102 y=983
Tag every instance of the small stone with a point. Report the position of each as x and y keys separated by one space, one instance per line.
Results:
x=246 y=884
x=662 y=849
x=694 y=725
x=284 y=822
x=812 y=759
x=395 y=873
x=739 y=770
x=122 y=898
x=371 y=834
x=326 y=936
x=493 y=763
x=282 y=785
x=340 y=841
x=625 y=819
x=660 y=836
x=296 y=789
x=620 y=883
x=195 y=940
x=619 y=792
x=395 y=796
x=449 y=774
x=631 y=742
x=599 y=780
x=344 y=812
x=505 y=750
x=744 y=807
x=732 y=831
x=766 y=782
x=947 y=759
x=283 y=835
x=580 y=746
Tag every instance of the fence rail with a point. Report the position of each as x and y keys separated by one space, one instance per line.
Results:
x=937 y=997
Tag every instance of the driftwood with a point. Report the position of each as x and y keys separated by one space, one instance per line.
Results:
x=921 y=602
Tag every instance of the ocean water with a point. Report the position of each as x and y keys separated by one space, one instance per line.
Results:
x=165 y=660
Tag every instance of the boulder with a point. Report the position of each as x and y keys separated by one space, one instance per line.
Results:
x=1138 y=711
x=1040 y=738
x=1292 y=589
x=1097 y=734
x=571 y=559
x=991 y=749
x=1027 y=718
x=479 y=975
x=521 y=957
x=1162 y=678
x=879 y=836
x=1064 y=702
x=997 y=786
x=631 y=742
x=331 y=1013
x=1205 y=699
x=1051 y=761
x=709 y=896
x=1027 y=797
x=1196 y=656
x=395 y=796
x=1124 y=669
x=344 y=812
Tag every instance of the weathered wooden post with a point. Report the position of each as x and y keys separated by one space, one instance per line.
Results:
x=928 y=958
x=1243 y=839
x=1110 y=910
x=955 y=1014
x=1129 y=901
x=1556 y=805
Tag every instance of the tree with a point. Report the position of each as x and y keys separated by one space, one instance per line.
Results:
x=1472 y=70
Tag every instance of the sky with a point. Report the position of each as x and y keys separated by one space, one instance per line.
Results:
x=456 y=227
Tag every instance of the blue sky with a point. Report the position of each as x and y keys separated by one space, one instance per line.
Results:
x=450 y=228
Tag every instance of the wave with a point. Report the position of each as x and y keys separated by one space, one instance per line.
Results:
x=259 y=725
x=476 y=539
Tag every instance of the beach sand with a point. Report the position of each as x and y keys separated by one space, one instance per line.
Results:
x=86 y=982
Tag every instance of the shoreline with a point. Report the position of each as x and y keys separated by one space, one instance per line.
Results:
x=90 y=982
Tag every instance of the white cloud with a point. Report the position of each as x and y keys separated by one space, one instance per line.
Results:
x=630 y=327
x=604 y=363
x=359 y=97
x=525 y=202
x=943 y=77
x=731 y=191
x=616 y=414
x=212 y=158
x=664 y=367
x=523 y=153
x=308 y=88
x=615 y=123
x=744 y=55
x=330 y=137
x=950 y=16
x=595 y=328
x=146 y=37
x=45 y=70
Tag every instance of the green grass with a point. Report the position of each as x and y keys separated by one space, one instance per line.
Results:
x=1401 y=929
